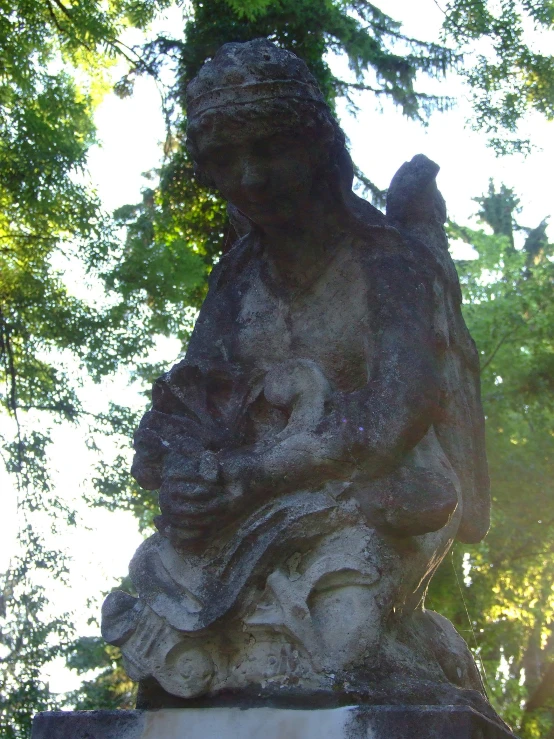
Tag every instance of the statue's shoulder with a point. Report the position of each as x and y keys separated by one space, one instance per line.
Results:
x=234 y=262
x=389 y=248
x=376 y=243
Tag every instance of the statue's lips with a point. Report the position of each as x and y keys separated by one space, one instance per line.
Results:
x=182 y=487
x=271 y=210
x=271 y=201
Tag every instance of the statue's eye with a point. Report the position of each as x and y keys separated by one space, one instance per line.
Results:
x=220 y=156
x=271 y=147
x=278 y=145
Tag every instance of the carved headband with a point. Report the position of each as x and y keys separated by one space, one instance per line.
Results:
x=252 y=93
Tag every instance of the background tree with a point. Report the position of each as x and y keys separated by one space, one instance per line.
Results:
x=53 y=63
x=507 y=600
x=509 y=74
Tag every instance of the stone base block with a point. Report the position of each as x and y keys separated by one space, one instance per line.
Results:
x=351 y=722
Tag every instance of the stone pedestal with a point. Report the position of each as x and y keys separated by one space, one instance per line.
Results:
x=352 y=722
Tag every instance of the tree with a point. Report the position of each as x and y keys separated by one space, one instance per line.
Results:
x=53 y=62
x=511 y=75
x=508 y=588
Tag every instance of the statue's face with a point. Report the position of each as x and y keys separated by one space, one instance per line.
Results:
x=262 y=166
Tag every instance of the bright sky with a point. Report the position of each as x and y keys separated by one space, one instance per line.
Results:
x=130 y=132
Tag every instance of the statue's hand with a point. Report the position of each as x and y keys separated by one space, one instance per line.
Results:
x=159 y=435
x=194 y=499
x=193 y=512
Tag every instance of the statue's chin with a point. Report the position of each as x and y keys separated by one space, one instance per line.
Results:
x=272 y=214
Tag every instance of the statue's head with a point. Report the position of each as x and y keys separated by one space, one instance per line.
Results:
x=261 y=132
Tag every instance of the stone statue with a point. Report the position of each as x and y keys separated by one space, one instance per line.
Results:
x=321 y=445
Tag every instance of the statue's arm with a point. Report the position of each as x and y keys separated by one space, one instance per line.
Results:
x=394 y=410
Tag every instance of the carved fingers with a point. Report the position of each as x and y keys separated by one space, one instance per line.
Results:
x=158 y=435
x=193 y=494
x=193 y=512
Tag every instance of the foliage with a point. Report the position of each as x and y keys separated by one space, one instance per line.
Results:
x=509 y=594
x=111 y=688
x=30 y=639
x=371 y=40
x=54 y=58
x=510 y=74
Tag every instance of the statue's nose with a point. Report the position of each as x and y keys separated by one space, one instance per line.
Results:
x=254 y=176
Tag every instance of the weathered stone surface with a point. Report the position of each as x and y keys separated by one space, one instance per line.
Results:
x=379 y=722
x=89 y=725
x=321 y=444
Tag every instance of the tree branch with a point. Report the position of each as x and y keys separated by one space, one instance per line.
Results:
x=64 y=10
x=63 y=30
x=497 y=347
x=379 y=196
x=53 y=17
x=439 y=7
x=543 y=692
x=7 y=350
